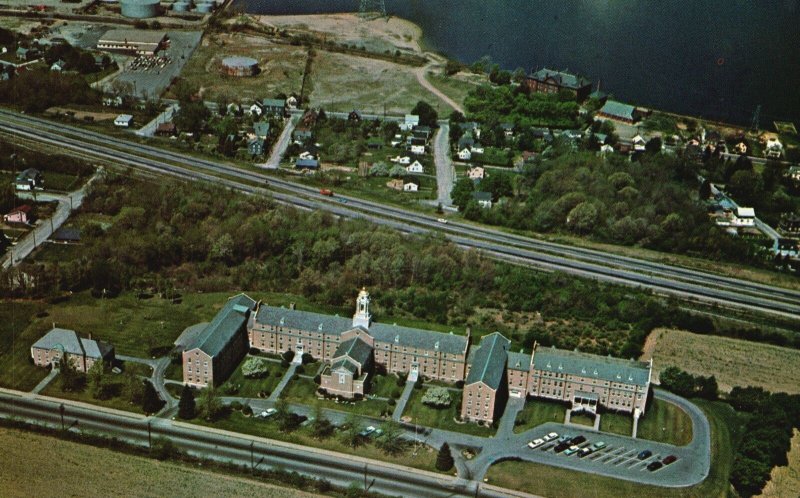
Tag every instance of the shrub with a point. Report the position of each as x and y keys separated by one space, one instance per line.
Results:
x=288 y=356
x=318 y=379
x=437 y=397
x=392 y=402
x=164 y=449
x=254 y=368
x=300 y=369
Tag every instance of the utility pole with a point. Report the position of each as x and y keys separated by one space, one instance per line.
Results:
x=149 y=437
x=61 y=409
x=252 y=459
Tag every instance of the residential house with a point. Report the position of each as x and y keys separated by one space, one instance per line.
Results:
x=415 y=167
x=421 y=131
x=396 y=184
x=794 y=173
x=542 y=134
x=167 y=129
x=307 y=164
x=261 y=129
x=743 y=217
x=374 y=143
x=212 y=352
x=606 y=149
x=484 y=199
x=291 y=102
x=550 y=81
x=466 y=140
x=21 y=214
x=465 y=154
x=27 y=54
x=256 y=147
x=234 y=109
x=58 y=65
x=124 y=121
x=639 y=143
x=417 y=149
x=787 y=248
x=29 y=179
x=486 y=386
x=773 y=149
x=66 y=235
x=273 y=107
x=740 y=148
x=404 y=160
x=81 y=353
x=471 y=127
x=476 y=173
x=508 y=129
x=410 y=185
x=354 y=116
x=255 y=109
x=617 y=111
x=112 y=101
x=528 y=156
x=409 y=122
x=790 y=223
x=302 y=135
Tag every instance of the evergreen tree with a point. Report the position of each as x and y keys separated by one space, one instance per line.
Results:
x=132 y=388
x=96 y=378
x=186 y=406
x=444 y=460
x=151 y=403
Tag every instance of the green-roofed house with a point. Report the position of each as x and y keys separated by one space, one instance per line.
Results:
x=617 y=111
x=588 y=381
x=550 y=81
x=274 y=107
x=212 y=353
x=486 y=385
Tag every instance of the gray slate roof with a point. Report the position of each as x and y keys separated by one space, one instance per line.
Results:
x=222 y=329
x=336 y=325
x=346 y=365
x=482 y=196
x=273 y=103
x=593 y=366
x=618 y=109
x=519 y=361
x=356 y=349
x=69 y=341
x=566 y=80
x=489 y=361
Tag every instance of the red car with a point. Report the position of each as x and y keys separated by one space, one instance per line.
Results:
x=670 y=459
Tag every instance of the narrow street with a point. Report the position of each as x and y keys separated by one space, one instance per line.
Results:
x=445 y=172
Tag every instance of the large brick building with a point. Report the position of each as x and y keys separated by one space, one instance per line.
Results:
x=549 y=81
x=353 y=348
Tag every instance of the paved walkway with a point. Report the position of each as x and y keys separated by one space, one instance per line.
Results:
x=282 y=384
x=149 y=129
x=445 y=172
x=159 y=367
x=280 y=145
x=401 y=403
x=41 y=385
x=505 y=428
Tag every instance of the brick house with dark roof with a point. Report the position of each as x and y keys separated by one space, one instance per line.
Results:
x=82 y=353
x=486 y=386
x=550 y=81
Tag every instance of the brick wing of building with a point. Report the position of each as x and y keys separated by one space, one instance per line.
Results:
x=82 y=353
x=549 y=81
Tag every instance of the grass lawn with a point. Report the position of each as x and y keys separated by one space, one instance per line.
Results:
x=582 y=419
x=174 y=372
x=238 y=384
x=663 y=422
x=443 y=418
x=16 y=337
x=54 y=389
x=457 y=86
x=384 y=386
x=538 y=412
x=726 y=429
x=76 y=472
x=303 y=391
x=424 y=459
x=61 y=181
x=175 y=390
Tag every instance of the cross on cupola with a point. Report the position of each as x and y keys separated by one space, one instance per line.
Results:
x=362 y=318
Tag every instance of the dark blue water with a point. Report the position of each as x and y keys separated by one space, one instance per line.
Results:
x=718 y=59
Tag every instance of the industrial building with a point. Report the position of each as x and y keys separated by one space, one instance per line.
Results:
x=133 y=41
x=240 y=66
x=140 y=9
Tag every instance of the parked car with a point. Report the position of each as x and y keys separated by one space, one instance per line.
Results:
x=376 y=433
x=535 y=443
x=644 y=454
x=267 y=413
x=564 y=438
x=598 y=446
x=367 y=431
x=546 y=448
x=653 y=466
x=668 y=460
x=561 y=447
x=578 y=440
x=550 y=436
x=572 y=450
x=584 y=452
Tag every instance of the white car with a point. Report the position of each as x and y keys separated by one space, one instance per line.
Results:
x=366 y=432
x=267 y=413
x=441 y=220
x=536 y=443
x=550 y=436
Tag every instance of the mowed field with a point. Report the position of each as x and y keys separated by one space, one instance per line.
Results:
x=72 y=470
x=785 y=481
x=733 y=362
x=282 y=68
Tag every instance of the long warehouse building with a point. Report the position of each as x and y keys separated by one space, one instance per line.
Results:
x=132 y=41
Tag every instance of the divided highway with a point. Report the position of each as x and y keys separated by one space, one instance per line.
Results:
x=665 y=279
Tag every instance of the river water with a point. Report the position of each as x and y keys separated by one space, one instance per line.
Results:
x=718 y=59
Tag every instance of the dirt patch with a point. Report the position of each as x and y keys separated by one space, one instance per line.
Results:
x=733 y=362
x=785 y=481
x=96 y=116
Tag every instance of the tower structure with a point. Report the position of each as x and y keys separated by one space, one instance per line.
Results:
x=362 y=318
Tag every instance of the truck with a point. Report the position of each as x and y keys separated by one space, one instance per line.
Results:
x=327 y=192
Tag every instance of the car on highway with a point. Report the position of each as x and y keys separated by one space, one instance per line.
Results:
x=644 y=454
x=367 y=431
x=441 y=220
x=343 y=201
x=653 y=466
x=535 y=443
x=668 y=460
x=572 y=450
x=550 y=437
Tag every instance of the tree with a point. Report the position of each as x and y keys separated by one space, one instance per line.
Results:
x=427 y=114
x=379 y=169
x=392 y=441
x=70 y=380
x=255 y=368
x=583 y=217
x=705 y=190
x=184 y=91
x=132 y=387
x=210 y=407
x=518 y=76
x=321 y=427
x=192 y=116
x=186 y=405
x=151 y=403
x=444 y=460
x=452 y=67
x=96 y=380
x=462 y=192
x=437 y=397
x=350 y=434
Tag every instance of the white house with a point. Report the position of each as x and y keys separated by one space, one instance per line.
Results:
x=465 y=154
x=415 y=167
x=58 y=65
x=418 y=149
x=291 y=102
x=476 y=173
x=410 y=186
x=124 y=120
x=409 y=122
x=255 y=110
x=484 y=199
x=477 y=149
x=743 y=217
x=606 y=149
x=638 y=143
x=773 y=149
